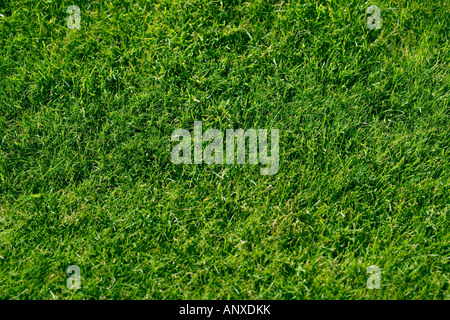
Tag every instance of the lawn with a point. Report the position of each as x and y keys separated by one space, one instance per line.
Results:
x=87 y=179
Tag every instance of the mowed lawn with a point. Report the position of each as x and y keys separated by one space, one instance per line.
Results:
x=87 y=179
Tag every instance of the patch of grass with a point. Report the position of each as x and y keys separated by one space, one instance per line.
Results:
x=86 y=176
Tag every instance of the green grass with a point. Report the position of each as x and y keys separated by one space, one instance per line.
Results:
x=86 y=176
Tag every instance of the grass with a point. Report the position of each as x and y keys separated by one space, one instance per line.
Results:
x=86 y=176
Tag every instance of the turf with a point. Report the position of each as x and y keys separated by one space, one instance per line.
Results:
x=86 y=176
